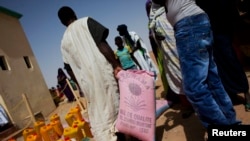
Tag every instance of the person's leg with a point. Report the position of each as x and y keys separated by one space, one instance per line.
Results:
x=193 y=36
x=68 y=93
x=154 y=47
x=186 y=106
x=218 y=92
x=230 y=70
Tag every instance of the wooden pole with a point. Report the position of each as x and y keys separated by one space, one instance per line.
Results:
x=29 y=108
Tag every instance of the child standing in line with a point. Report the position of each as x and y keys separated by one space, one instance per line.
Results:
x=123 y=54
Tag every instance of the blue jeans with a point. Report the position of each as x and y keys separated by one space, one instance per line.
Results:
x=201 y=82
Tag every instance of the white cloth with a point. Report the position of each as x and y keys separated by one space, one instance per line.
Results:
x=159 y=25
x=143 y=59
x=95 y=76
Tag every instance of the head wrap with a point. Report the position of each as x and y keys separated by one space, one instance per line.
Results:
x=121 y=27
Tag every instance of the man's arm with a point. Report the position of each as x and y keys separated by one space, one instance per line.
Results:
x=108 y=53
x=99 y=34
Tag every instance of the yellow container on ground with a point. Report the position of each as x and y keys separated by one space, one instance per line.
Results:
x=73 y=132
x=34 y=137
x=70 y=118
x=57 y=125
x=48 y=133
x=38 y=125
x=55 y=117
x=83 y=125
x=27 y=132
x=76 y=111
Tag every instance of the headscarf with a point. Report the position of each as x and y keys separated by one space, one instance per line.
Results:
x=60 y=72
x=124 y=30
x=122 y=27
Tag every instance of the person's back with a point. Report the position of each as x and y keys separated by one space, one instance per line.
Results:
x=92 y=60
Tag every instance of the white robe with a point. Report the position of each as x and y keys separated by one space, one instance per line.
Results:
x=159 y=24
x=95 y=76
x=144 y=59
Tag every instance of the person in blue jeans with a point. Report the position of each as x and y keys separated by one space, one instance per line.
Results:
x=201 y=82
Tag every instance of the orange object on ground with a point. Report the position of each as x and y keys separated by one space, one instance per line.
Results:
x=55 y=117
x=34 y=137
x=84 y=126
x=76 y=112
x=73 y=132
x=38 y=125
x=48 y=133
x=57 y=125
x=27 y=132
x=70 y=118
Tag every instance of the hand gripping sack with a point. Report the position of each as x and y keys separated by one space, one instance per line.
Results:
x=137 y=104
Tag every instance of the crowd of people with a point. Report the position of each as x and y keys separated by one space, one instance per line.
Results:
x=194 y=57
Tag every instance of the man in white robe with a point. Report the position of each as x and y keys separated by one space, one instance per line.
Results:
x=85 y=50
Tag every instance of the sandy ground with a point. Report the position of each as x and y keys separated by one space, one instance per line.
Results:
x=170 y=126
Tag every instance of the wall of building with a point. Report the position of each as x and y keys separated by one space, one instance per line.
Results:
x=19 y=78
